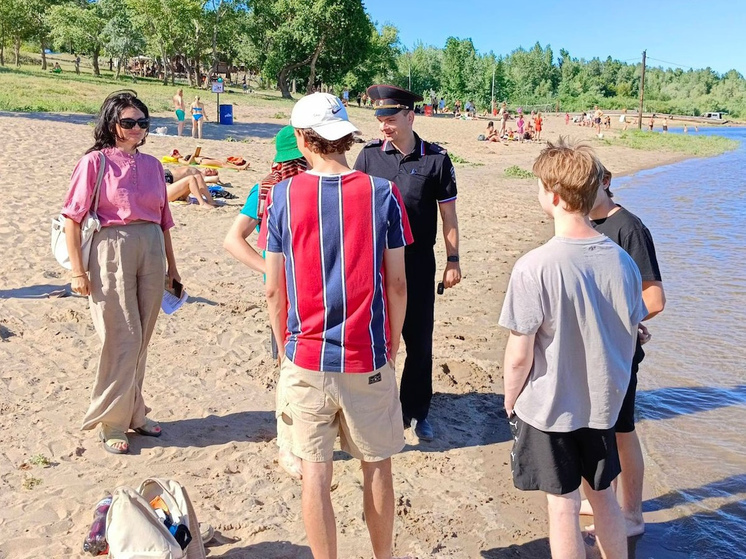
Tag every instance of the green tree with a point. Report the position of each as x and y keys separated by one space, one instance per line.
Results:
x=122 y=38
x=234 y=24
x=380 y=64
x=15 y=27
x=420 y=70
x=82 y=25
x=460 y=67
x=168 y=27
x=532 y=74
x=37 y=19
x=300 y=36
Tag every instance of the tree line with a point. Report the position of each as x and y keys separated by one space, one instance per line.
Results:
x=336 y=43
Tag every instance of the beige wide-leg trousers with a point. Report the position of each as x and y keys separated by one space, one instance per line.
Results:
x=127 y=270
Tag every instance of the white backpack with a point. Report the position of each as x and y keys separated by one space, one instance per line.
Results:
x=134 y=531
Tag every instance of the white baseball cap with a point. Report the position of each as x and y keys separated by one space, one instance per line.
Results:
x=325 y=114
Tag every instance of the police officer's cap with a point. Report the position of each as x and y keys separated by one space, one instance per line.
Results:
x=389 y=100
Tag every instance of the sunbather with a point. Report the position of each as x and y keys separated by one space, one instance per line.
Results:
x=237 y=163
x=183 y=181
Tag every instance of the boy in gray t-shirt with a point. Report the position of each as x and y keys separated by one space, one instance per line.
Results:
x=573 y=307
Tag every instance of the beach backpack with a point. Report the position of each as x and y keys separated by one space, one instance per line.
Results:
x=134 y=530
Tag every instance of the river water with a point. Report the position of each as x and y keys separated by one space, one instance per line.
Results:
x=692 y=384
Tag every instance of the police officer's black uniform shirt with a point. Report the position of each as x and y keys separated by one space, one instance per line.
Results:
x=424 y=177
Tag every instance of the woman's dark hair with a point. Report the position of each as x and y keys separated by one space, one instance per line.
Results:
x=105 y=132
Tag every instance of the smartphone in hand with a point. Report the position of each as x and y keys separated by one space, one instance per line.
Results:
x=175 y=288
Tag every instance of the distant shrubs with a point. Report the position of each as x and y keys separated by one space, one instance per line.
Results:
x=516 y=172
x=692 y=144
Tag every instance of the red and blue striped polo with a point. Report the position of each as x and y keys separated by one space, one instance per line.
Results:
x=333 y=231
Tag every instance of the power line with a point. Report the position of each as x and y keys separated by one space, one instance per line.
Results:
x=672 y=63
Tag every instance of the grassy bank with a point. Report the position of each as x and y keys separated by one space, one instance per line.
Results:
x=692 y=144
x=29 y=89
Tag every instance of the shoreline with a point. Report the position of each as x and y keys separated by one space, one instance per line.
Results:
x=211 y=380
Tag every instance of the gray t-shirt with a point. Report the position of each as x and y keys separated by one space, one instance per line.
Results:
x=583 y=300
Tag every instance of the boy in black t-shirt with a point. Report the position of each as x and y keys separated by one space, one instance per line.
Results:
x=630 y=233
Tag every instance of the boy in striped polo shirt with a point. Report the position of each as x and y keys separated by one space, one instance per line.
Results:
x=336 y=291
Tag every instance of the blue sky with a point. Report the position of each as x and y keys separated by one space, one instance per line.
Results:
x=683 y=32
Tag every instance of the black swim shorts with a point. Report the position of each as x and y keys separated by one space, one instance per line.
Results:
x=626 y=421
x=169 y=176
x=556 y=462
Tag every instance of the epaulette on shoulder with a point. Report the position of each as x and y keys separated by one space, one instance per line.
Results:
x=373 y=143
x=435 y=149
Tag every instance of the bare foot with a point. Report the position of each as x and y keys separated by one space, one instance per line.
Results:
x=634 y=528
x=206 y=206
x=290 y=463
x=585 y=508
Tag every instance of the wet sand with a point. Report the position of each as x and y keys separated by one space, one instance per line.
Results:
x=211 y=380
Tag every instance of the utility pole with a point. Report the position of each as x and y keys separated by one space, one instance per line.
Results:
x=642 y=91
x=409 y=71
x=492 y=107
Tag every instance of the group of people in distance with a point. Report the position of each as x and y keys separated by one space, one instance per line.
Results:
x=528 y=128
x=596 y=119
x=350 y=270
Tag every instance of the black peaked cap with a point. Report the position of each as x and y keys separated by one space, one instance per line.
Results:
x=389 y=100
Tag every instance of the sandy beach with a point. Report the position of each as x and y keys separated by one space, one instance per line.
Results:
x=211 y=380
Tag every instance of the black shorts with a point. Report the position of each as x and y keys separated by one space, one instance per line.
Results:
x=626 y=421
x=169 y=176
x=556 y=462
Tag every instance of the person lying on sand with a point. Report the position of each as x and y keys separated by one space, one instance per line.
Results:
x=182 y=182
x=237 y=163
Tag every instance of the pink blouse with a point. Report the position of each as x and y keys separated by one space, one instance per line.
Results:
x=133 y=188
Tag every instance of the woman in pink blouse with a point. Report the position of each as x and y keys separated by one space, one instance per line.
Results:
x=130 y=256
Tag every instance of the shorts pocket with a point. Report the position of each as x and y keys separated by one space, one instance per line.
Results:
x=281 y=401
x=374 y=395
x=301 y=390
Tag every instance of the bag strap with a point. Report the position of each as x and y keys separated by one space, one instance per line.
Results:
x=99 y=178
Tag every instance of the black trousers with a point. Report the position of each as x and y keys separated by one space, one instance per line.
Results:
x=417 y=379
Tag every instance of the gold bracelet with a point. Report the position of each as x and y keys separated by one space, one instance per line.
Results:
x=80 y=275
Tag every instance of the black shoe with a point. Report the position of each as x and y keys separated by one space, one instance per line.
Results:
x=424 y=430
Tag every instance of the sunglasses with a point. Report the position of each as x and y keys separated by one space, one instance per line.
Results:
x=129 y=123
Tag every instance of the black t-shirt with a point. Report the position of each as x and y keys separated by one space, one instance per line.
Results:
x=630 y=233
x=424 y=177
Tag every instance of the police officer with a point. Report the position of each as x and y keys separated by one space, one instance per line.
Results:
x=427 y=181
